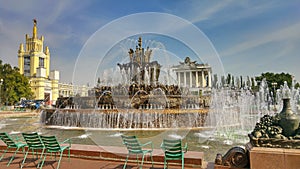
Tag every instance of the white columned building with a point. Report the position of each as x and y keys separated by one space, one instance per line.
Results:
x=70 y=90
x=196 y=77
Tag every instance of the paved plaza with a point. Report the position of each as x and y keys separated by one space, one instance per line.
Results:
x=95 y=157
x=79 y=163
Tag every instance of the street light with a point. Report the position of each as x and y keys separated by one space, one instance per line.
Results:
x=274 y=84
x=1 y=82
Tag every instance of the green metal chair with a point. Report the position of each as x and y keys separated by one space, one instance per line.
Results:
x=35 y=144
x=10 y=143
x=53 y=146
x=135 y=148
x=173 y=151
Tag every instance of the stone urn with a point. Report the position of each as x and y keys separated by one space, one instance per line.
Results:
x=289 y=121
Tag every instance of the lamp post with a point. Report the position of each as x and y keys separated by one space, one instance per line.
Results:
x=1 y=82
x=274 y=84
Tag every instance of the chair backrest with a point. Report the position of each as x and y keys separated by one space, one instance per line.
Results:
x=172 y=148
x=33 y=140
x=132 y=144
x=7 y=140
x=51 y=143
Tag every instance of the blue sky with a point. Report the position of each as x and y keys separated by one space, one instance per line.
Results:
x=251 y=37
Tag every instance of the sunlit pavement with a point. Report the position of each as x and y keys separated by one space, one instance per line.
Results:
x=93 y=156
x=76 y=163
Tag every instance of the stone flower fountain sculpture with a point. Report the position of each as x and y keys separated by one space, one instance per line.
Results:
x=278 y=131
x=281 y=130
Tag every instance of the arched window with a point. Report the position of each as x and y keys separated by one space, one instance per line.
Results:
x=41 y=62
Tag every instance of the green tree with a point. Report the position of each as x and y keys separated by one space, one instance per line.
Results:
x=15 y=85
x=277 y=78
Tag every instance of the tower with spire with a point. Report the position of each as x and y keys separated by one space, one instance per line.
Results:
x=34 y=63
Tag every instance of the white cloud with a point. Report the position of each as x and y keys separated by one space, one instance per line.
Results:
x=288 y=33
x=228 y=11
x=200 y=12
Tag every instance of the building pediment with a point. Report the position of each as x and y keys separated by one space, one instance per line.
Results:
x=188 y=64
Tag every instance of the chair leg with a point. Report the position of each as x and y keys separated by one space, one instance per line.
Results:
x=12 y=157
x=23 y=151
x=41 y=166
x=41 y=157
x=151 y=159
x=182 y=163
x=124 y=167
x=58 y=164
x=69 y=152
x=141 y=166
x=3 y=154
x=165 y=163
x=24 y=158
x=32 y=153
x=137 y=159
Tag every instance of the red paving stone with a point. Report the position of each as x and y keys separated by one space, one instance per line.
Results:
x=76 y=163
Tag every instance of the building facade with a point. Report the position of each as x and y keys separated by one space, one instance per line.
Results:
x=34 y=63
x=70 y=90
x=196 y=77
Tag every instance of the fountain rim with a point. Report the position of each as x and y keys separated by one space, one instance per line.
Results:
x=166 y=111
x=126 y=129
x=135 y=129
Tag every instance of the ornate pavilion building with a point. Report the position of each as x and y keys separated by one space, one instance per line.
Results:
x=195 y=76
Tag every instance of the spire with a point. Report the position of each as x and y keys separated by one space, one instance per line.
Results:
x=42 y=38
x=140 y=42
x=47 y=50
x=34 y=32
x=21 y=48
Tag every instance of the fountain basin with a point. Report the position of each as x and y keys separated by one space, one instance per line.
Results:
x=125 y=118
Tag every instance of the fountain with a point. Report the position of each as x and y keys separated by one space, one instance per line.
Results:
x=140 y=102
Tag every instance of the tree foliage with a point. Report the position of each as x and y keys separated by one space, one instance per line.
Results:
x=272 y=79
x=15 y=85
x=275 y=78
